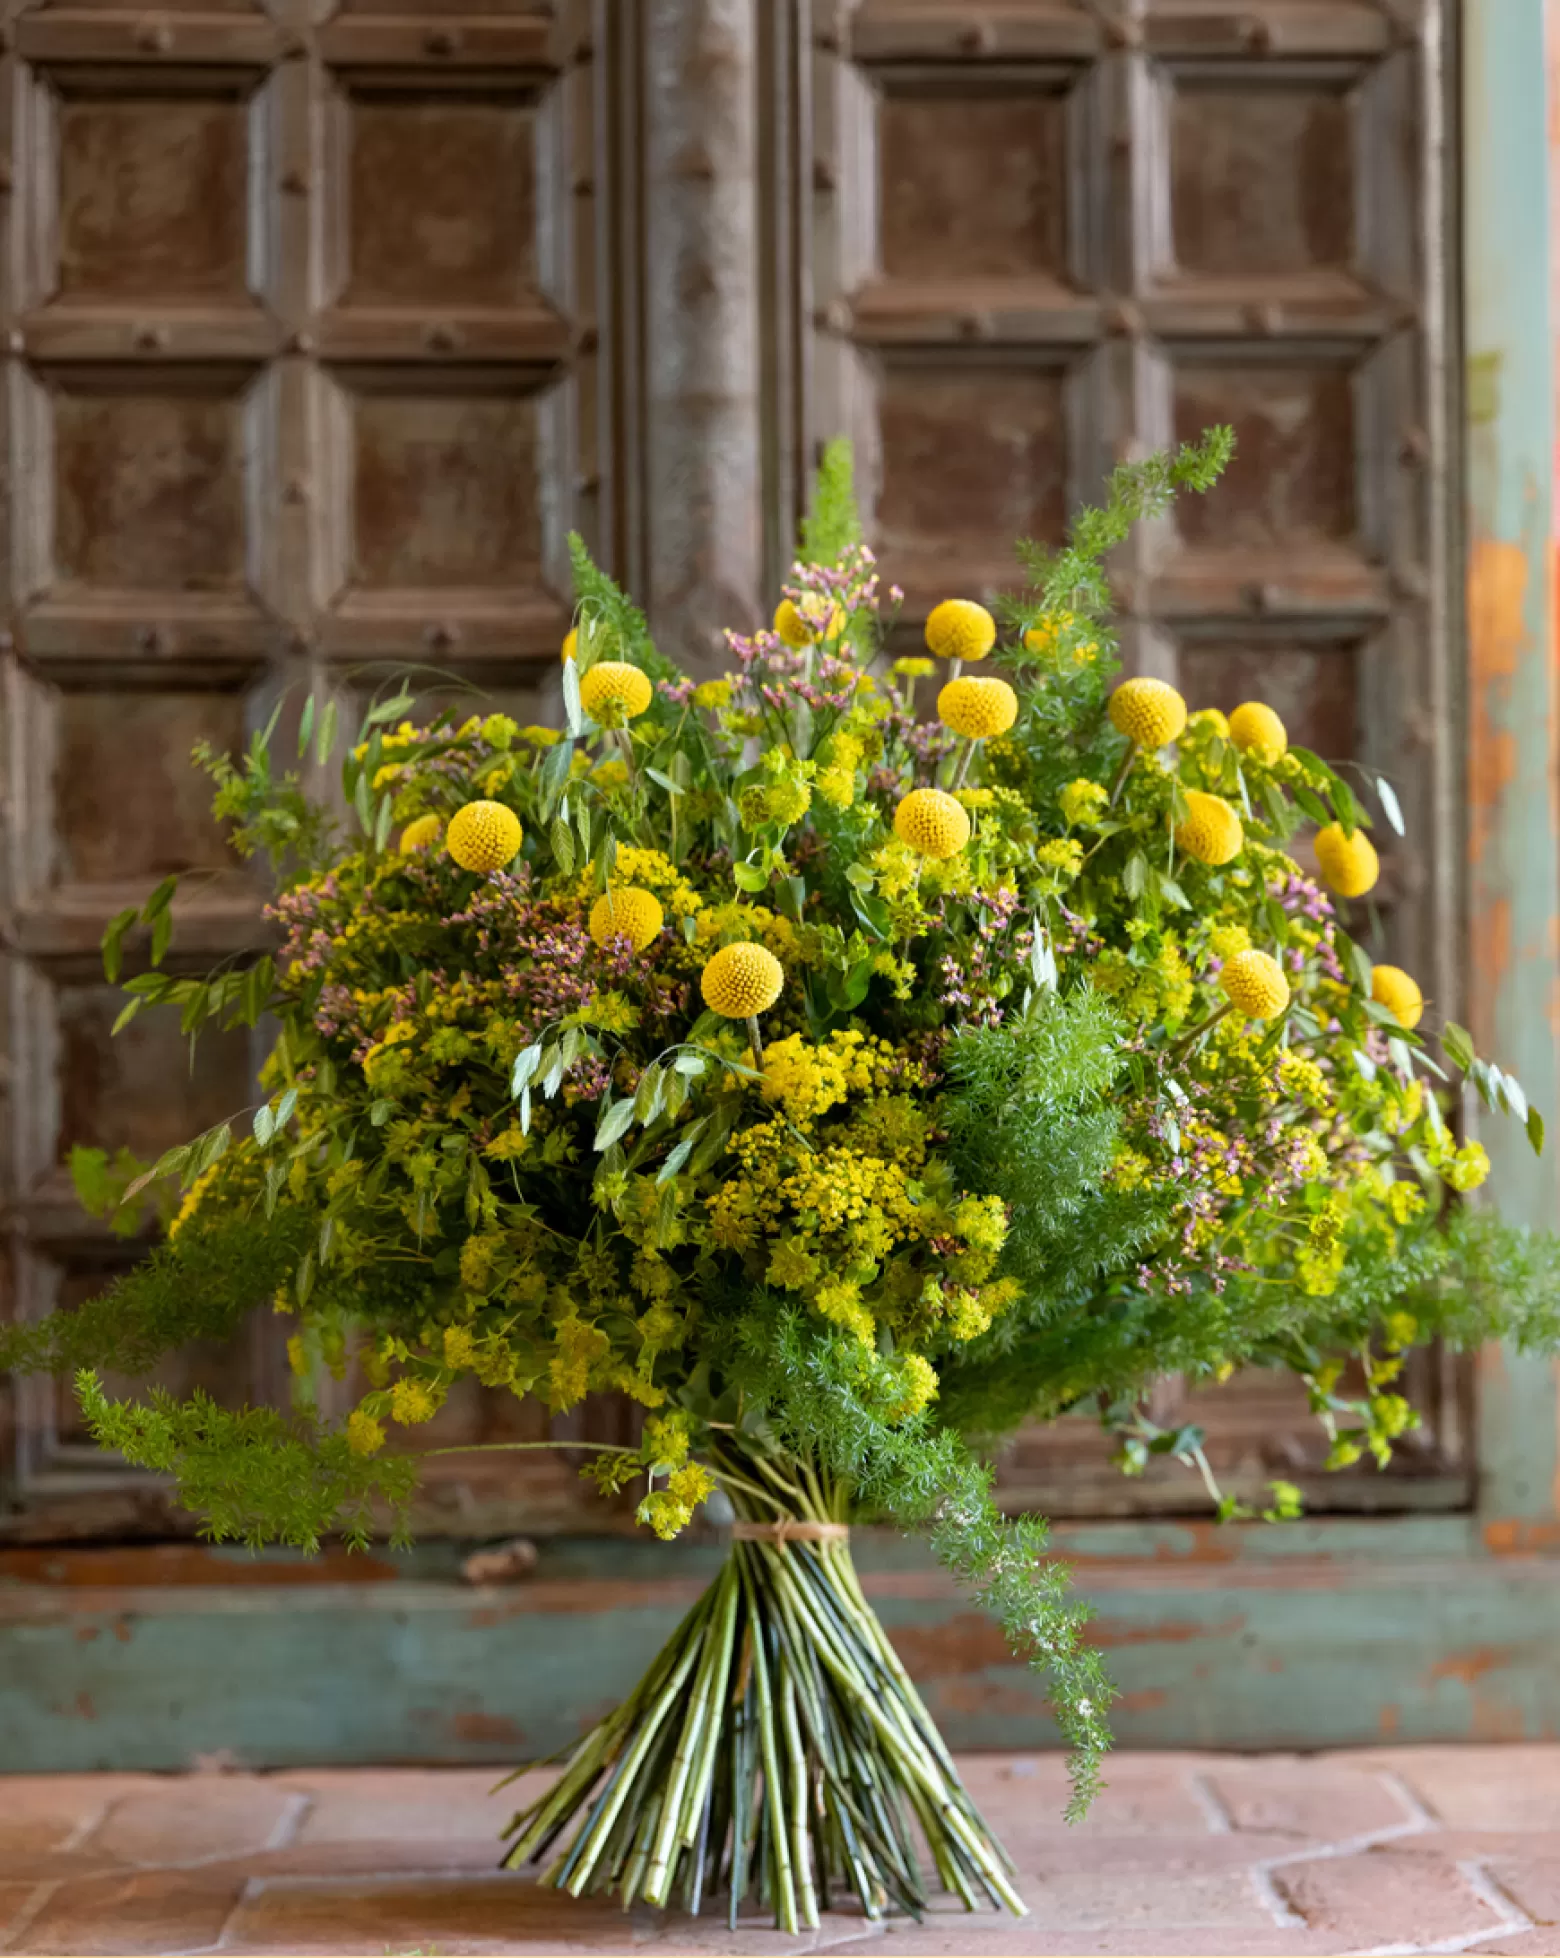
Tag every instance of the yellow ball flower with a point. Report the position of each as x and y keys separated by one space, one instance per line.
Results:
x=1398 y=991
x=960 y=629
x=1349 y=864
x=483 y=836
x=613 y=692
x=1255 y=985
x=571 y=642
x=742 y=980
x=1212 y=831
x=1255 y=728
x=1148 y=712
x=797 y=633
x=632 y=914
x=419 y=834
x=1210 y=721
x=932 y=823
x=977 y=708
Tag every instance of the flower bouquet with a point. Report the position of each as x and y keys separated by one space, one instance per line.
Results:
x=844 y=1082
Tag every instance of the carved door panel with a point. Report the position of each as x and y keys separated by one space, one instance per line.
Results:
x=1048 y=237
x=301 y=363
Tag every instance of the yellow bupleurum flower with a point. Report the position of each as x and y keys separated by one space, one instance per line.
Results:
x=1043 y=635
x=419 y=834
x=958 y=628
x=571 y=641
x=483 y=836
x=741 y=980
x=1398 y=991
x=1148 y=712
x=1257 y=730
x=932 y=823
x=1255 y=985
x=976 y=708
x=1349 y=864
x=793 y=627
x=1212 y=832
x=614 y=693
x=632 y=914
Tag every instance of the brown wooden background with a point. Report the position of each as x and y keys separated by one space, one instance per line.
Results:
x=322 y=324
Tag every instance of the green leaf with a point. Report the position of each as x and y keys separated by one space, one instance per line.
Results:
x=562 y=840
x=527 y=1061
x=160 y=899
x=303 y=1283
x=1172 y=893
x=305 y=726
x=285 y=1107
x=525 y=1111
x=749 y=877
x=363 y=802
x=213 y=1149
x=326 y=739
x=1312 y=804
x=665 y=781
x=387 y=710
x=680 y=1154
x=1345 y=806
x=872 y=912
x=162 y=935
x=126 y=1014
x=114 y=940
x=1458 y=1045
x=614 y=1124
x=648 y=1095
x=265 y=1123
x=574 y=713
x=382 y=822
x=1391 y=808
x=380 y=1113
x=691 y=1065
x=1357 y=960
x=1535 y=1131
x=1134 y=879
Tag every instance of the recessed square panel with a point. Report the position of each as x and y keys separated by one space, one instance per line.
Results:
x=1312 y=688
x=441 y=200
x=1262 y=178
x=141 y=1089
x=973 y=182
x=153 y=197
x=1292 y=481
x=974 y=456
x=122 y=753
x=446 y=489
x=149 y=484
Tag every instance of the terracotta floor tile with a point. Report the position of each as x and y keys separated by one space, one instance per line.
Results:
x=415 y=1913
x=1479 y=1787
x=1379 y=1898
x=199 y=1817
x=163 y=1912
x=1146 y=1794
x=40 y=1812
x=409 y=1805
x=973 y=1940
x=1318 y=1800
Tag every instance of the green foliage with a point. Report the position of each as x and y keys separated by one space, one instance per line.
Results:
x=612 y=616
x=267 y=812
x=832 y=524
x=103 y=1184
x=198 y=1286
x=254 y=1475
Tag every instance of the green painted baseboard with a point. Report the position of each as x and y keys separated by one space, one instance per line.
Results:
x=1306 y=1638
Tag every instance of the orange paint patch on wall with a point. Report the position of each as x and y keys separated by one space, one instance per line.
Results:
x=1497 y=632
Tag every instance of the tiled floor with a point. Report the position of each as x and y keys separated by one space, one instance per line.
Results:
x=1424 y=1850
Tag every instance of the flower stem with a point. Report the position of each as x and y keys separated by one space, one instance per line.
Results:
x=1121 y=773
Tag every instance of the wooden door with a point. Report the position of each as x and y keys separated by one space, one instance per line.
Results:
x=323 y=325
x=1050 y=237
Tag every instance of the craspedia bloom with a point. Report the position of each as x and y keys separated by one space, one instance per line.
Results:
x=614 y=692
x=1349 y=864
x=794 y=629
x=632 y=914
x=1148 y=712
x=1257 y=730
x=571 y=641
x=419 y=834
x=977 y=709
x=483 y=836
x=932 y=823
x=1255 y=985
x=1212 y=831
x=1398 y=991
x=741 y=980
x=960 y=629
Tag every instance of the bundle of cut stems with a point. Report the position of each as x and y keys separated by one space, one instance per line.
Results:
x=776 y=1748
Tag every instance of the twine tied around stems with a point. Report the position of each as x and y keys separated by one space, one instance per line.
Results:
x=790 y=1529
